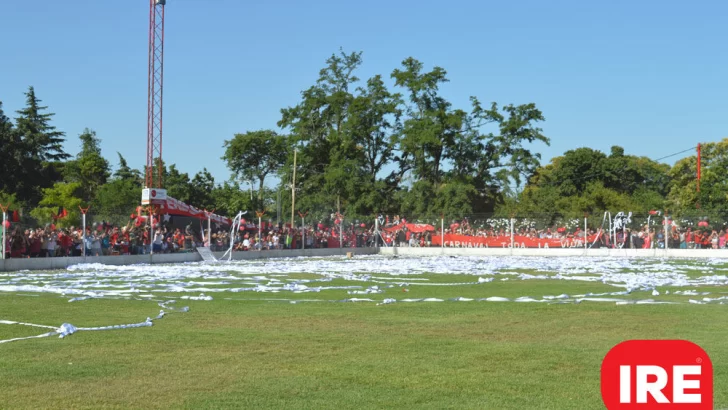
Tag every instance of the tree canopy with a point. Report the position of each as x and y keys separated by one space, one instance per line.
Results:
x=388 y=144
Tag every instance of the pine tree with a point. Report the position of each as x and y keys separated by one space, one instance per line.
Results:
x=42 y=142
x=126 y=173
x=10 y=153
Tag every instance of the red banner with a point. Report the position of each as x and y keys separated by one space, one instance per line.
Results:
x=417 y=228
x=463 y=241
x=174 y=207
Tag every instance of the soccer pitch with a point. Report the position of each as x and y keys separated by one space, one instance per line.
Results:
x=365 y=332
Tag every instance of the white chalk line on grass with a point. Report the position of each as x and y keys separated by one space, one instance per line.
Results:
x=67 y=329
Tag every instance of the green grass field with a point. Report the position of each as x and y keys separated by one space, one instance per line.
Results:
x=246 y=350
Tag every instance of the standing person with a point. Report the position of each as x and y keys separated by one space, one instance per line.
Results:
x=157 y=243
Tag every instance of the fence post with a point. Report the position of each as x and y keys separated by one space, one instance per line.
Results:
x=303 y=228
x=151 y=231
x=5 y=218
x=376 y=232
x=667 y=230
x=512 y=233
x=442 y=231
x=586 y=231
x=260 y=228
x=83 y=224
x=209 y=228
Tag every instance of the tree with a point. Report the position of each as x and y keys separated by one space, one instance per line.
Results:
x=443 y=145
x=11 y=155
x=41 y=139
x=318 y=127
x=89 y=168
x=432 y=126
x=684 y=198
x=230 y=198
x=61 y=194
x=126 y=173
x=42 y=146
x=587 y=180
x=176 y=183
x=255 y=155
x=201 y=190
x=116 y=200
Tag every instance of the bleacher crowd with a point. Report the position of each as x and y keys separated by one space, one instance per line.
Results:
x=104 y=239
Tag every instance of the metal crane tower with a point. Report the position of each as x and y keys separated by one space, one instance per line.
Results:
x=154 y=109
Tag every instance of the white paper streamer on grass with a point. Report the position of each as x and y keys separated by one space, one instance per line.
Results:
x=68 y=329
x=96 y=280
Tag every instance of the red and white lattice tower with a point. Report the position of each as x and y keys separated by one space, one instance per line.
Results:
x=154 y=110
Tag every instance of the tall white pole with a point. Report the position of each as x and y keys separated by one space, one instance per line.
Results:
x=260 y=232
x=83 y=218
x=5 y=218
x=442 y=232
x=378 y=235
x=667 y=230
x=293 y=189
x=512 y=234
x=151 y=232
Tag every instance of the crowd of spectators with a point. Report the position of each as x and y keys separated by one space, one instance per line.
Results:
x=134 y=239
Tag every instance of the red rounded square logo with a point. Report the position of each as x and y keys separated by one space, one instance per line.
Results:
x=657 y=374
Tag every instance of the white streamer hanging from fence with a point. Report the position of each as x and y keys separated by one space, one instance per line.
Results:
x=233 y=234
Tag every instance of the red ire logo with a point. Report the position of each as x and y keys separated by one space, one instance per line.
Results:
x=657 y=374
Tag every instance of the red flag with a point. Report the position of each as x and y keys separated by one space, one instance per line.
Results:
x=16 y=216
x=62 y=213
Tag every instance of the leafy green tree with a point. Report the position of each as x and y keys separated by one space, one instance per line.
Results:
x=177 y=184
x=684 y=198
x=230 y=198
x=116 y=200
x=587 y=180
x=10 y=200
x=61 y=194
x=89 y=168
x=255 y=155
x=318 y=127
x=432 y=126
x=444 y=145
x=201 y=189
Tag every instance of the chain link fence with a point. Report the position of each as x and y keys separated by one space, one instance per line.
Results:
x=129 y=233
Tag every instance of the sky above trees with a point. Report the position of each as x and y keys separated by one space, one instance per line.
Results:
x=642 y=75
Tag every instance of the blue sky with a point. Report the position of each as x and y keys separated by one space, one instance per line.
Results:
x=646 y=75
